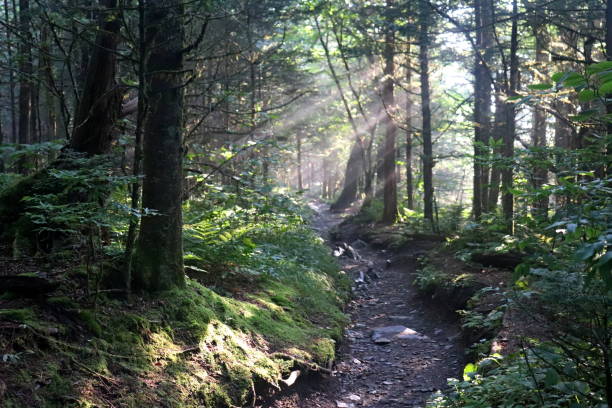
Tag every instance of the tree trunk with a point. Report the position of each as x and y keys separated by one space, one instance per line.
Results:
x=136 y=190
x=509 y=135
x=354 y=169
x=51 y=124
x=408 y=122
x=25 y=72
x=300 y=181
x=482 y=104
x=9 y=49
x=355 y=164
x=158 y=261
x=426 y=112
x=100 y=102
x=389 y=174
x=609 y=101
x=380 y=177
x=539 y=128
x=487 y=43
x=478 y=149
x=499 y=129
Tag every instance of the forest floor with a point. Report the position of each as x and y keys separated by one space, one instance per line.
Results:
x=376 y=366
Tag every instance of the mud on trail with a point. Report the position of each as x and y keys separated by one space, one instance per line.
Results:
x=398 y=348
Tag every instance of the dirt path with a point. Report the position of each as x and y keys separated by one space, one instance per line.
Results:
x=396 y=372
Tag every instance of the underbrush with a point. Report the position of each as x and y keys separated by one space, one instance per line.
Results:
x=519 y=380
x=561 y=294
x=264 y=298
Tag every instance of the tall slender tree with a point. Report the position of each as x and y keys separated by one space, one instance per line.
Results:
x=424 y=23
x=389 y=171
x=510 y=133
x=409 y=131
x=158 y=260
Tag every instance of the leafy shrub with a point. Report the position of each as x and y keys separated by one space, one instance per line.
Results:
x=518 y=381
x=429 y=278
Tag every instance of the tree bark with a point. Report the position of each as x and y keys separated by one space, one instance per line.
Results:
x=100 y=102
x=389 y=174
x=539 y=128
x=408 y=122
x=609 y=103
x=509 y=135
x=426 y=112
x=25 y=72
x=482 y=104
x=499 y=129
x=158 y=260
x=478 y=149
x=300 y=181
x=487 y=42
x=136 y=190
x=9 y=49
x=354 y=169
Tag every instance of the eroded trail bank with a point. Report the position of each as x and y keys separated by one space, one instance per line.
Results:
x=398 y=348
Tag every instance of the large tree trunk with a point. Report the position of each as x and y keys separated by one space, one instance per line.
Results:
x=487 y=43
x=509 y=135
x=539 y=128
x=389 y=173
x=9 y=49
x=158 y=261
x=426 y=112
x=25 y=79
x=609 y=109
x=408 y=123
x=478 y=139
x=482 y=104
x=499 y=129
x=100 y=101
x=354 y=169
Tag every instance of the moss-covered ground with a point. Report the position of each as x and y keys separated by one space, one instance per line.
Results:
x=265 y=298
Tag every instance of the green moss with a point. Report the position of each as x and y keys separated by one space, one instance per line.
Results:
x=63 y=302
x=197 y=347
x=19 y=315
x=324 y=351
x=90 y=321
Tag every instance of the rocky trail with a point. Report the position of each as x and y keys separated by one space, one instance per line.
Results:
x=398 y=348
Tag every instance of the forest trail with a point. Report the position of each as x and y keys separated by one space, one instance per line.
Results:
x=395 y=372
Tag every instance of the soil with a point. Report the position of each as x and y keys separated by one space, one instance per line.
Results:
x=402 y=372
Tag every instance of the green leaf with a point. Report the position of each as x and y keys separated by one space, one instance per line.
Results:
x=583 y=116
x=606 y=88
x=540 y=87
x=552 y=378
x=586 y=95
x=574 y=80
x=605 y=76
x=558 y=76
x=469 y=371
x=599 y=67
